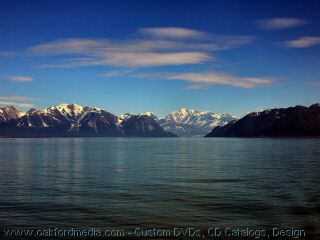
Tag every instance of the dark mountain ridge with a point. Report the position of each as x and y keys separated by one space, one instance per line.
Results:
x=298 y=121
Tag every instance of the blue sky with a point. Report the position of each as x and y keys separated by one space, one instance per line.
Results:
x=160 y=56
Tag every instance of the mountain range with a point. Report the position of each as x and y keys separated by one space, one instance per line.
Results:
x=190 y=122
x=66 y=120
x=295 y=121
x=74 y=120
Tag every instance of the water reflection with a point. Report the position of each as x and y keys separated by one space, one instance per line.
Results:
x=159 y=182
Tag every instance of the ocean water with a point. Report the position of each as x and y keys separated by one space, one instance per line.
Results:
x=160 y=182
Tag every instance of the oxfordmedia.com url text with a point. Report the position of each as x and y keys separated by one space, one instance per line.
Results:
x=63 y=233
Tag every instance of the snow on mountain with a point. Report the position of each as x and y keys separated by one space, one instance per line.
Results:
x=124 y=117
x=71 y=111
x=191 y=122
x=75 y=120
x=152 y=115
x=8 y=113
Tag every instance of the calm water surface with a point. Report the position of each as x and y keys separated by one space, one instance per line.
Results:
x=160 y=182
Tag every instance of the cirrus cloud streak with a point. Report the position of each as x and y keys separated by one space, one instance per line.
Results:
x=20 y=78
x=303 y=42
x=18 y=98
x=150 y=47
x=16 y=104
x=174 y=32
x=280 y=23
x=18 y=101
x=204 y=80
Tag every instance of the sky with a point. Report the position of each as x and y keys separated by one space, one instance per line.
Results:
x=159 y=56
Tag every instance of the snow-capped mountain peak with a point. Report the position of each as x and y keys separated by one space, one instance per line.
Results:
x=124 y=117
x=152 y=115
x=71 y=111
x=193 y=122
x=74 y=110
x=185 y=111
x=8 y=113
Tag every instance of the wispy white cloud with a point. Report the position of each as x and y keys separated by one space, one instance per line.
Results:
x=150 y=47
x=303 y=42
x=20 y=78
x=134 y=53
x=173 y=32
x=16 y=104
x=115 y=73
x=205 y=80
x=155 y=59
x=18 y=101
x=18 y=98
x=280 y=23
x=68 y=47
x=198 y=86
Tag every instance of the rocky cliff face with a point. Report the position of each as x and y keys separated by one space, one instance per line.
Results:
x=142 y=125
